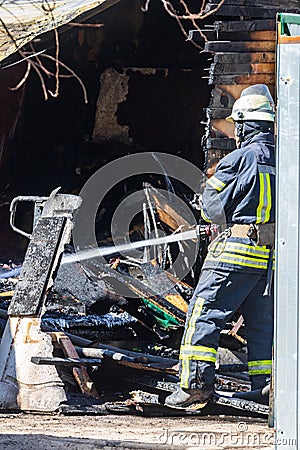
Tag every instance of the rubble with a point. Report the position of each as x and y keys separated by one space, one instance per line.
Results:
x=104 y=343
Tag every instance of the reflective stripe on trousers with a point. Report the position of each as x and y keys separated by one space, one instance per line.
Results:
x=260 y=367
x=218 y=295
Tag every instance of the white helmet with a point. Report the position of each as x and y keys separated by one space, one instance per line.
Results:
x=255 y=103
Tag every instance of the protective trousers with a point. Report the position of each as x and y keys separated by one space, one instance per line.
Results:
x=219 y=293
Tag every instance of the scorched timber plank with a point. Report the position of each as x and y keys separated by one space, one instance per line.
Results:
x=220 y=143
x=217 y=113
x=243 y=79
x=245 y=25
x=233 y=35
x=243 y=58
x=37 y=267
x=241 y=69
x=240 y=47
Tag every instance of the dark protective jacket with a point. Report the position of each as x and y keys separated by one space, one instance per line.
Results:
x=242 y=191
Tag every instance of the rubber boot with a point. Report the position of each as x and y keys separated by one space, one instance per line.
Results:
x=183 y=398
x=258 y=395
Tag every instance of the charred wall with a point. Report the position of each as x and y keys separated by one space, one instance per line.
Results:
x=145 y=90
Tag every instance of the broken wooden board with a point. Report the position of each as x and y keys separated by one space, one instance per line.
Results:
x=38 y=266
x=260 y=78
x=80 y=374
x=165 y=210
x=240 y=47
x=244 y=58
x=22 y=21
x=220 y=143
x=241 y=69
x=212 y=35
x=238 y=26
x=69 y=362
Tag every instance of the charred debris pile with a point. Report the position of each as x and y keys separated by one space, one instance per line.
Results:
x=116 y=327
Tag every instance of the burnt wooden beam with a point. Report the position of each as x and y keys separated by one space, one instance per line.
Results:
x=212 y=35
x=245 y=25
x=80 y=374
x=37 y=267
x=241 y=69
x=50 y=234
x=217 y=113
x=261 y=78
x=73 y=362
x=220 y=143
x=240 y=46
x=243 y=58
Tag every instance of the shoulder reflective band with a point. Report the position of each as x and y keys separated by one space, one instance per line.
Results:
x=204 y=217
x=215 y=183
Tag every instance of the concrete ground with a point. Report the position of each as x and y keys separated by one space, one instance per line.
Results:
x=57 y=432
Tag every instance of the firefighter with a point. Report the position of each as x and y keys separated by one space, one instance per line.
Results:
x=236 y=271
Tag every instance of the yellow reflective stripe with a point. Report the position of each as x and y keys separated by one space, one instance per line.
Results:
x=247 y=250
x=217 y=184
x=260 y=362
x=185 y=373
x=204 y=216
x=228 y=258
x=269 y=198
x=261 y=248
x=191 y=326
x=192 y=321
x=198 y=352
x=200 y=348
x=265 y=198
x=260 y=367
x=198 y=358
x=259 y=372
x=261 y=198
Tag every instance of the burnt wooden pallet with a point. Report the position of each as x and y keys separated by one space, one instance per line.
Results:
x=37 y=267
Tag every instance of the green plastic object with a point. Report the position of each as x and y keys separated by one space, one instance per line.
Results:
x=164 y=319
